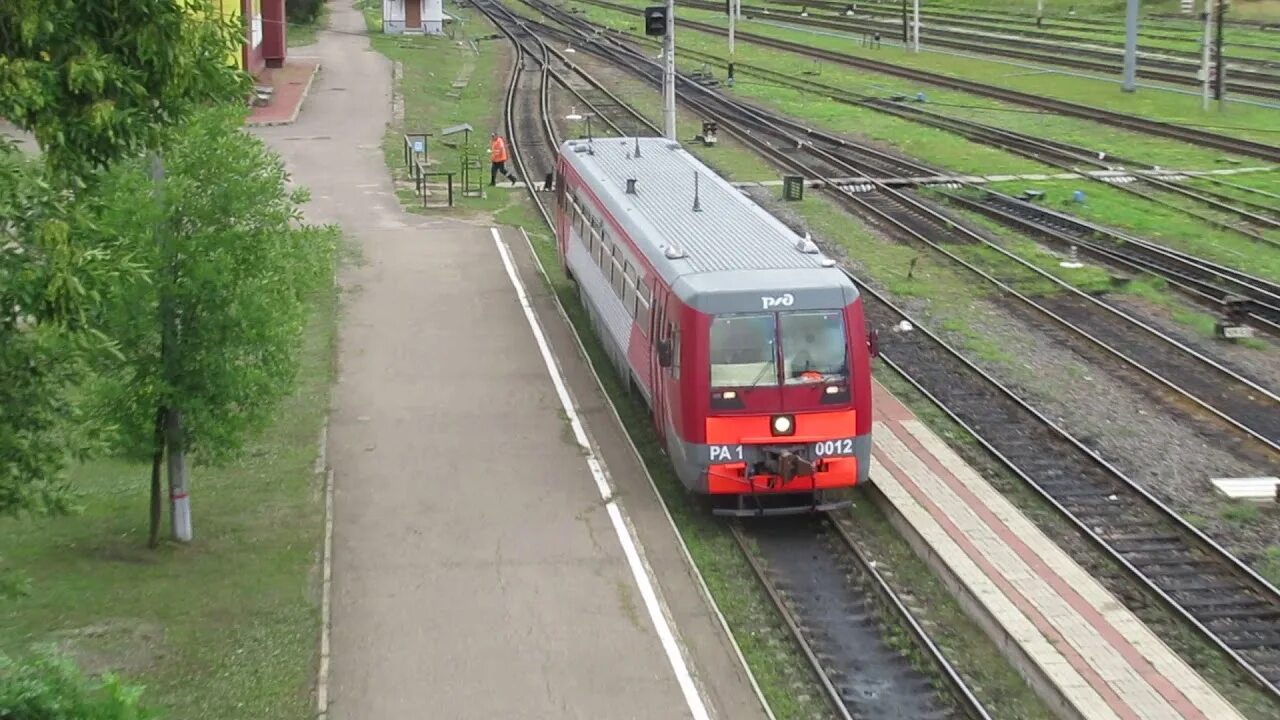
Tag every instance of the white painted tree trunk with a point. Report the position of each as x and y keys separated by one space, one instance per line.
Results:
x=179 y=500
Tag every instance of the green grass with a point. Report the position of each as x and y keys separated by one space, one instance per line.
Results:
x=430 y=66
x=1269 y=566
x=1111 y=206
x=226 y=627
x=1243 y=120
x=299 y=34
x=943 y=148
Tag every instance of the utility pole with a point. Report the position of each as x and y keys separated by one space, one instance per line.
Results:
x=1220 y=82
x=905 y=38
x=174 y=437
x=1039 y=12
x=732 y=6
x=915 y=25
x=669 y=74
x=1130 y=46
x=1207 y=17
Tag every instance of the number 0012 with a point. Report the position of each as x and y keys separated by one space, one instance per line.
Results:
x=833 y=447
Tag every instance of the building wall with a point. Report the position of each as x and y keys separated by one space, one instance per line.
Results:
x=393 y=16
x=252 y=48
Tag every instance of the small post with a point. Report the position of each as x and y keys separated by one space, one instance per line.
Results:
x=1206 y=16
x=733 y=14
x=1220 y=83
x=1130 y=46
x=915 y=25
x=669 y=75
x=1039 y=12
x=905 y=38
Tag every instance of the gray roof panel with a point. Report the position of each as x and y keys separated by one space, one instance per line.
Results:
x=730 y=233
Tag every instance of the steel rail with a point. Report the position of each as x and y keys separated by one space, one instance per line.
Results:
x=1241 y=81
x=1049 y=152
x=991 y=25
x=1063 y=107
x=1236 y=582
x=827 y=665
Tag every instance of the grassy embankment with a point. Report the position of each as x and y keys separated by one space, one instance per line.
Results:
x=226 y=627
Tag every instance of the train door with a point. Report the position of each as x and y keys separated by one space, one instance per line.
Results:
x=660 y=332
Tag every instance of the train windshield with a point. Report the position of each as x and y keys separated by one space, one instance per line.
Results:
x=744 y=351
x=813 y=347
x=745 y=348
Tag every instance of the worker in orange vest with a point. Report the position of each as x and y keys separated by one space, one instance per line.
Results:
x=498 y=159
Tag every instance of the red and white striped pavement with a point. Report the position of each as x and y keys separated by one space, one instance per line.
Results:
x=1077 y=642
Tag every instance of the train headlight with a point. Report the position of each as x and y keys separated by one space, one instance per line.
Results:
x=783 y=425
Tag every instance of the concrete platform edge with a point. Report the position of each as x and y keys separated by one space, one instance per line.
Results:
x=684 y=549
x=1027 y=667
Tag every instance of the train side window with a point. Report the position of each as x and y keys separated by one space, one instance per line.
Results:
x=618 y=278
x=644 y=305
x=674 y=333
x=629 y=289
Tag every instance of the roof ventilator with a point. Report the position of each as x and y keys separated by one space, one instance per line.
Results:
x=637 y=153
x=672 y=252
x=697 y=205
x=806 y=245
x=631 y=186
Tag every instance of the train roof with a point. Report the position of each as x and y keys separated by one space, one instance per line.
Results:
x=730 y=245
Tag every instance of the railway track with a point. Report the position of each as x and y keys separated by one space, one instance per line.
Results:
x=1253 y=217
x=854 y=661
x=1237 y=401
x=1197 y=579
x=1026 y=28
x=1226 y=143
x=1241 y=81
x=836 y=604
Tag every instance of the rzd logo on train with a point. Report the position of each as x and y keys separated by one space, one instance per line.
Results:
x=780 y=301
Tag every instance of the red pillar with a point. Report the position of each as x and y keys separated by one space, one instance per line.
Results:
x=253 y=61
x=275 y=42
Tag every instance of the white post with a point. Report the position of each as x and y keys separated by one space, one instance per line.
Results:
x=1130 y=81
x=1039 y=12
x=432 y=16
x=1204 y=54
x=669 y=74
x=915 y=25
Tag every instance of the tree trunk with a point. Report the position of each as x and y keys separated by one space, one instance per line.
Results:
x=178 y=481
x=157 y=460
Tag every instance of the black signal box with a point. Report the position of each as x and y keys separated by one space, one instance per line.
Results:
x=655 y=20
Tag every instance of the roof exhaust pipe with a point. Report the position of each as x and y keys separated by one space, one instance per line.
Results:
x=697 y=206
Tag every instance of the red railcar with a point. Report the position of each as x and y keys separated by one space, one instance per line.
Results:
x=748 y=345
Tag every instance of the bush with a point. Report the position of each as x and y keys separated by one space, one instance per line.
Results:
x=51 y=687
x=303 y=12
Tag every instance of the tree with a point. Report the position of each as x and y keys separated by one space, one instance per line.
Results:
x=53 y=269
x=99 y=80
x=209 y=344
x=96 y=81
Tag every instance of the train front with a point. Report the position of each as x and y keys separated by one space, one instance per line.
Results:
x=787 y=411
